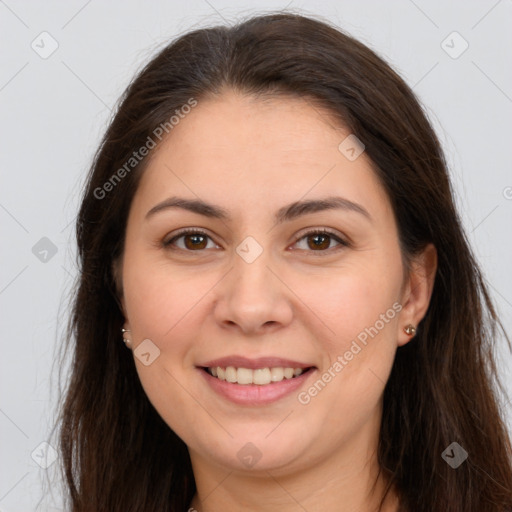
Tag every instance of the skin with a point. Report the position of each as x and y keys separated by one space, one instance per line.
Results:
x=251 y=157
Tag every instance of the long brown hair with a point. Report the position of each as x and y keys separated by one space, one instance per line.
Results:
x=117 y=453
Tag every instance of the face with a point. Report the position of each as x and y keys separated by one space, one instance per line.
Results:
x=255 y=288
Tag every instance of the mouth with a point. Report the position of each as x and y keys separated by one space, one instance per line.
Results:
x=258 y=376
x=255 y=382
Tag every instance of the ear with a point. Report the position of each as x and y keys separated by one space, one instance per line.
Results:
x=417 y=290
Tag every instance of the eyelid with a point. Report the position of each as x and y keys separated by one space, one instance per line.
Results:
x=321 y=230
x=342 y=240
x=167 y=241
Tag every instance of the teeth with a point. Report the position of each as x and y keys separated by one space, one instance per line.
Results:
x=259 y=376
x=277 y=374
x=244 y=376
x=231 y=375
x=288 y=373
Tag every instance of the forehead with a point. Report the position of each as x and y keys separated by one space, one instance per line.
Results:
x=248 y=152
x=252 y=126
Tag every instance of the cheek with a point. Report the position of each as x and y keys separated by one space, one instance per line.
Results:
x=160 y=296
x=162 y=304
x=360 y=354
x=361 y=309
x=351 y=301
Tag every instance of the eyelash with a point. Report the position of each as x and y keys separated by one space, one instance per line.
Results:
x=167 y=244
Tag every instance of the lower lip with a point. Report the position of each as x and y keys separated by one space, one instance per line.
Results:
x=254 y=394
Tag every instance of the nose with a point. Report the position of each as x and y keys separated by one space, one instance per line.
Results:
x=252 y=298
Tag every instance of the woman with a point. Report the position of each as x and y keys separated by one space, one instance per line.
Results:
x=269 y=226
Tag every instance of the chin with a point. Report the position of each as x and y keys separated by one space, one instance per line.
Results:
x=258 y=453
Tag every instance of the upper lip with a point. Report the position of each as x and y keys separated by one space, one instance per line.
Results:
x=260 y=362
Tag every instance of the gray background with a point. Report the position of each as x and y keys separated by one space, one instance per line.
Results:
x=55 y=109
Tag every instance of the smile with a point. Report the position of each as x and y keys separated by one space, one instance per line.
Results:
x=257 y=386
x=258 y=376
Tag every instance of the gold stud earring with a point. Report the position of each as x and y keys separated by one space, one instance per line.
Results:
x=410 y=330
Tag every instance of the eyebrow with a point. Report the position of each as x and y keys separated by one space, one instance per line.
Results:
x=284 y=214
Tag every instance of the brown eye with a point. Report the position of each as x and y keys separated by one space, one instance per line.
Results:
x=195 y=241
x=320 y=241
x=191 y=241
